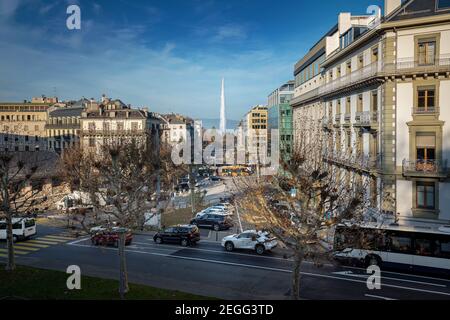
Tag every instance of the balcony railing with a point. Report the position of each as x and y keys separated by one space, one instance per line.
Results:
x=425 y=168
x=347 y=118
x=429 y=110
x=359 y=162
x=406 y=65
x=366 y=118
x=337 y=118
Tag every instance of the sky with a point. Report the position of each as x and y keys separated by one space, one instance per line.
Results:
x=167 y=55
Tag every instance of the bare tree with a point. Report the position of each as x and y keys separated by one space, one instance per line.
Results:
x=306 y=202
x=21 y=181
x=119 y=182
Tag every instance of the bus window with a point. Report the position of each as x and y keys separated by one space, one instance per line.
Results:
x=17 y=225
x=2 y=226
x=423 y=247
x=30 y=223
x=400 y=244
x=443 y=248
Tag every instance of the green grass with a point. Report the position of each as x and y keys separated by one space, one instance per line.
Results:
x=32 y=283
x=178 y=216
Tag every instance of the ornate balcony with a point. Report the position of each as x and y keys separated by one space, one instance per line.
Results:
x=366 y=119
x=364 y=163
x=337 y=120
x=407 y=66
x=425 y=168
x=347 y=119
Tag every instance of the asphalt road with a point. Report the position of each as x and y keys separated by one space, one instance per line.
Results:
x=208 y=270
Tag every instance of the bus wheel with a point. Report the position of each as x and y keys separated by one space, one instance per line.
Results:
x=373 y=260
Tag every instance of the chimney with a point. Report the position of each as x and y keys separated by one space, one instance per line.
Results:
x=390 y=6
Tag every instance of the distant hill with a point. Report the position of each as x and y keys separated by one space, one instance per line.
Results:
x=210 y=123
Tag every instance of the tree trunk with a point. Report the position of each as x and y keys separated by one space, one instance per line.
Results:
x=123 y=280
x=11 y=264
x=296 y=276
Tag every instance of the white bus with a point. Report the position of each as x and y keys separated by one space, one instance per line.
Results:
x=23 y=228
x=394 y=247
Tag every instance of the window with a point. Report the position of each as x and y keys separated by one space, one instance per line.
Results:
x=442 y=249
x=349 y=67
x=443 y=4
x=423 y=247
x=426 y=146
x=360 y=61
x=348 y=106
x=427 y=52
x=120 y=126
x=91 y=142
x=426 y=100
x=400 y=244
x=425 y=195
x=360 y=103
x=106 y=126
x=91 y=126
x=374 y=54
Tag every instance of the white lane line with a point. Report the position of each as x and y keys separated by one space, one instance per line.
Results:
x=378 y=297
x=77 y=241
x=215 y=251
x=271 y=269
x=351 y=274
x=402 y=274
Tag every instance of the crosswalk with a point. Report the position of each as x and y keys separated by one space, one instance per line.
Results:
x=35 y=244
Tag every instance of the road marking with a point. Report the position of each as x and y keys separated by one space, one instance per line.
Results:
x=210 y=250
x=60 y=238
x=378 y=297
x=3 y=255
x=50 y=239
x=42 y=242
x=78 y=241
x=402 y=274
x=351 y=274
x=15 y=251
x=33 y=245
x=20 y=247
x=271 y=269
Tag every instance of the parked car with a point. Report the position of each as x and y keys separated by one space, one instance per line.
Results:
x=183 y=234
x=218 y=211
x=213 y=220
x=101 y=236
x=215 y=178
x=182 y=187
x=259 y=242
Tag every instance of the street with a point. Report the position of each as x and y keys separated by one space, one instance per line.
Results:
x=208 y=270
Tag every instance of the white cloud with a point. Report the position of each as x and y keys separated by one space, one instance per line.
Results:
x=8 y=8
x=165 y=78
x=230 y=31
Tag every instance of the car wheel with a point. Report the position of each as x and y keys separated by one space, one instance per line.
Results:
x=184 y=242
x=15 y=238
x=229 y=246
x=259 y=249
x=216 y=227
x=158 y=240
x=373 y=260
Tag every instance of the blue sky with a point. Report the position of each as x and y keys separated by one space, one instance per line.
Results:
x=169 y=55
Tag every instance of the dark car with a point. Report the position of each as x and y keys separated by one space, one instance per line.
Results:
x=215 y=221
x=184 y=234
x=215 y=178
x=183 y=187
x=110 y=237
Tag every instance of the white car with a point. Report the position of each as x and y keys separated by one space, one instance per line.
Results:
x=260 y=242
